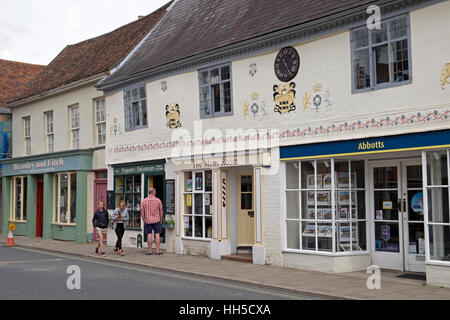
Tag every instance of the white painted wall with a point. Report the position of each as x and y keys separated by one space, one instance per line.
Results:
x=326 y=61
x=84 y=97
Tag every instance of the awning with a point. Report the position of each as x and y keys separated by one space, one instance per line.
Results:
x=408 y=142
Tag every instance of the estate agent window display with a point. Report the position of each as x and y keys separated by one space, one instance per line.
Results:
x=19 y=196
x=66 y=198
x=197 y=212
x=322 y=196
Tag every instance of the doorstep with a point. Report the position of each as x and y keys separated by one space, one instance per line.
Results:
x=239 y=257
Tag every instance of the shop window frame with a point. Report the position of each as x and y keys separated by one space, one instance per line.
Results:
x=57 y=198
x=124 y=193
x=100 y=124
x=371 y=48
x=193 y=193
x=75 y=127
x=427 y=187
x=130 y=120
x=23 y=200
x=334 y=190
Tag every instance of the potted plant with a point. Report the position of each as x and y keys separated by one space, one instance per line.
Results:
x=168 y=223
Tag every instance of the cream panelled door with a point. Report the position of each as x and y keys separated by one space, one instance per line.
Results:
x=246 y=213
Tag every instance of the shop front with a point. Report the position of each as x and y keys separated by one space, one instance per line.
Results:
x=218 y=207
x=47 y=195
x=382 y=201
x=131 y=183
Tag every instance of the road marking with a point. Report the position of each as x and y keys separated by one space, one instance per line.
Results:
x=29 y=261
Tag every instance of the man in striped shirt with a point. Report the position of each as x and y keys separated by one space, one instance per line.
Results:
x=152 y=215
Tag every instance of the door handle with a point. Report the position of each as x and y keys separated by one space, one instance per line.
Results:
x=251 y=214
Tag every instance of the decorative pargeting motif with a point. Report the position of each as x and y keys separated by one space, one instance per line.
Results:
x=254 y=106
x=173 y=116
x=319 y=98
x=115 y=128
x=164 y=86
x=252 y=70
x=284 y=97
x=445 y=75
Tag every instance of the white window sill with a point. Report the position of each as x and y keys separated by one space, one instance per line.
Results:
x=438 y=263
x=329 y=254
x=196 y=239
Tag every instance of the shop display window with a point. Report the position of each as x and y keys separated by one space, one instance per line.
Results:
x=437 y=197
x=19 y=196
x=66 y=198
x=129 y=189
x=326 y=206
x=197 y=212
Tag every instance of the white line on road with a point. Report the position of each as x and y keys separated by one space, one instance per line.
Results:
x=29 y=261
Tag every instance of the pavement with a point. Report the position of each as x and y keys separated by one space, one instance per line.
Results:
x=28 y=274
x=313 y=284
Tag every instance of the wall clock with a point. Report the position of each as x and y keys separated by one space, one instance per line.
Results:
x=287 y=64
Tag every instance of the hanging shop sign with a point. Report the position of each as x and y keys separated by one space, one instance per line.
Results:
x=416 y=141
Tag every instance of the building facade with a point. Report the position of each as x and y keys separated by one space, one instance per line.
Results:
x=323 y=146
x=57 y=173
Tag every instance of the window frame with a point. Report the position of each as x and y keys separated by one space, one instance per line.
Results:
x=132 y=114
x=22 y=200
x=427 y=187
x=334 y=204
x=47 y=133
x=73 y=128
x=57 y=203
x=27 y=135
x=373 y=86
x=222 y=113
x=194 y=215
x=121 y=195
x=100 y=123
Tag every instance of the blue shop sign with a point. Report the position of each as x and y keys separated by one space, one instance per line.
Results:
x=416 y=141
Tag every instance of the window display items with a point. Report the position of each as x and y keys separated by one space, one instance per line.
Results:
x=343 y=213
x=327 y=181
x=323 y=198
x=417 y=203
x=311 y=214
x=327 y=214
x=325 y=231
x=311 y=184
x=310 y=230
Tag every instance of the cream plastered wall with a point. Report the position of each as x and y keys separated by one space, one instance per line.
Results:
x=83 y=96
x=418 y=106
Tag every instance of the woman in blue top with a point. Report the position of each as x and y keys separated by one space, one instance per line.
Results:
x=120 y=218
x=101 y=222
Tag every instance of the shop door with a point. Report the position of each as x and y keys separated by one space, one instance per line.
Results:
x=246 y=214
x=40 y=209
x=397 y=215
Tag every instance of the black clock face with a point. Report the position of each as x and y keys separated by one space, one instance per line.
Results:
x=287 y=64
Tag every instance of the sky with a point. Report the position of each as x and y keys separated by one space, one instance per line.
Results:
x=35 y=31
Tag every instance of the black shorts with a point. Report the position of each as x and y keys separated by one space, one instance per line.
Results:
x=157 y=227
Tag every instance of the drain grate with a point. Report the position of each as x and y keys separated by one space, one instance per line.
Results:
x=413 y=276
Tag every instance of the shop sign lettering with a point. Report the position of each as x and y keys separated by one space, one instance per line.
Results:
x=366 y=146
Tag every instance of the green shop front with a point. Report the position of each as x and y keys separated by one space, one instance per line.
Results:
x=47 y=196
x=131 y=184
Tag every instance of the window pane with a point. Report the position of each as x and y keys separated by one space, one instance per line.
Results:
x=199 y=227
x=309 y=236
x=293 y=235
x=381 y=64
x=246 y=184
x=384 y=200
x=361 y=69
x=227 y=96
x=225 y=73
x=205 y=107
x=325 y=234
x=188 y=181
x=292 y=175
x=292 y=205
x=360 y=38
x=199 y=181
x=358 y=174
x=208 y=181
x=73 y=198
x=324 y=174
x=440 y=243
x=308 y=175
x=385 y=178
x=246 y=201
x=204 y=78
x=208 y=227
x=399 y=61
x=438 y=210
x=18 y=192
x=216 y=98
x=214 y=76
x=188 y=227
x=437 y=168
x=63 y=197
x=379 y=36
x=142 y=93
x=128 y=117
x=198 y=204
x=398 y=28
